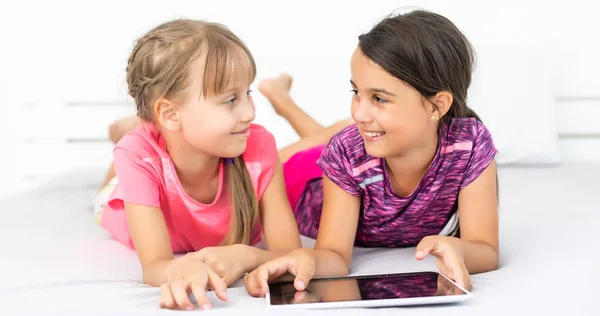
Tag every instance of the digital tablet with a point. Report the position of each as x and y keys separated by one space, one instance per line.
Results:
x=399 y=289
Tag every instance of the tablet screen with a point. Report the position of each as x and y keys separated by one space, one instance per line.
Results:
x=377 y=287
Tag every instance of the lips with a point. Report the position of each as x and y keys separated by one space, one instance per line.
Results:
x=242 y=132
x=372 y=136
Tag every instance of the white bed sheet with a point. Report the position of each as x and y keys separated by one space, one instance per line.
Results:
x=55 y=259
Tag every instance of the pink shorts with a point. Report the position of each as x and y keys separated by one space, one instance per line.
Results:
x=298 y=170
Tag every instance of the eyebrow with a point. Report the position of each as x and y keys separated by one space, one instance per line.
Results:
x=376 y=90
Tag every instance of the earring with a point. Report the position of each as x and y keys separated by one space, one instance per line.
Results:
x=433 y=117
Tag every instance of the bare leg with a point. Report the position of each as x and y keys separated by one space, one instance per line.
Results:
x=311 y=133
x=277 y=90
x=321 y=137
x=117 y=130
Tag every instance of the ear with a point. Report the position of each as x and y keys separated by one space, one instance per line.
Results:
x=443 y=101
x=166 y=115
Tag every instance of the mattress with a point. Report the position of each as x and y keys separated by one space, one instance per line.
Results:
x=55 y=259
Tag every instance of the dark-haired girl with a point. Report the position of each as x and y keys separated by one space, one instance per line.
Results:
x=415 y=167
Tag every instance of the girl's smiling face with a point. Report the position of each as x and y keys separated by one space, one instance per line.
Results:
x=391 y=116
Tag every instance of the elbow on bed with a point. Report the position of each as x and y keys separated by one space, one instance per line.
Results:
x=491 y=264
x=496 y=262
x=340 y=270
x=494 y=265
x=483 y=258
x=330 y=263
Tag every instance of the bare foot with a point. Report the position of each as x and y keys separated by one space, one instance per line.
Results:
x=123 y=126
x=277 y=90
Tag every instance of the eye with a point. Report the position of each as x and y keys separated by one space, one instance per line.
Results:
x=355 y=92
x=379 y=100
x=249 y=92
x=231 y=101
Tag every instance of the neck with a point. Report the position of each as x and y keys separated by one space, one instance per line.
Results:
x=193 y=167
x=415 y=162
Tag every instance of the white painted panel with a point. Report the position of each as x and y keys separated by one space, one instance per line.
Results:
x=578 y=150
x=578 y=117
x=54 y=157
x=575 y=29
x=76 y=121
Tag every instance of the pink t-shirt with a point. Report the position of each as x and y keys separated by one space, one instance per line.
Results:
x=147 y=176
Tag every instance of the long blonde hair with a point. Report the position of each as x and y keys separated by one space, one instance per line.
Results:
x=159 y=67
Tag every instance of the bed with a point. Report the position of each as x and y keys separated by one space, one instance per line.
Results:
x=55 y=259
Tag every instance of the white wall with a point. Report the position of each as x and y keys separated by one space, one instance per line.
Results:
x=62 y=66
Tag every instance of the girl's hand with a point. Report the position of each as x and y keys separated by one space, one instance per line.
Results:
x=229 y=262
x=299 y=263
x=449 y=257
x=187 y=275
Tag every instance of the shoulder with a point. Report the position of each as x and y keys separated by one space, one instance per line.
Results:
x=469 y=148
x=349 y=145
x=142 y=143
x=467 y=134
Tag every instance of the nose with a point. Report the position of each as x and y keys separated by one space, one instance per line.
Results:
x=361 y=112
x=248 y=111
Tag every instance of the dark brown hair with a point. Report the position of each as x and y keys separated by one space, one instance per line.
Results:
x=426 y=51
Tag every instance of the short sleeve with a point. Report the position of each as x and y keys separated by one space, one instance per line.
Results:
x=336 y=166
x=482 y=154
x=138 y=183
x=261 y=158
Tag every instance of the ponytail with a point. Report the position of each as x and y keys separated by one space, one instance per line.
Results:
x=244 y=202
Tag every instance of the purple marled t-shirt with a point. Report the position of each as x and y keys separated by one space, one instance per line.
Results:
x=389 y=220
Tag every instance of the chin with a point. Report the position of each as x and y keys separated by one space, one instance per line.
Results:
x=235 y=151
x=376 y=151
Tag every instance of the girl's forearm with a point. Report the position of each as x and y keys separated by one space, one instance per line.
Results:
x=479 y=257
x=155 y=272
x=329 y=263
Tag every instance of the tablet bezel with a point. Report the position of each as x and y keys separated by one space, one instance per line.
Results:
x=427 y=300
